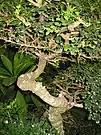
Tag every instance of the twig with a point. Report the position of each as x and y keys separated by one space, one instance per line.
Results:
x=67 y=94
x=22 y=45
x=34 y=3
x=90 y=57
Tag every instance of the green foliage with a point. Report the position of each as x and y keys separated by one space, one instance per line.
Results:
x=70 y=14
x=31 y=129
x=22 y=62
x=15 y=23
x=11 y=123
x=19 y=106
x=27 y=23
x=88 y=7
x=36 y=101
x=7 y=63
x=85 y=74
x=89 y=75
x=4 y=73
x=10 y=71
x=9 y=81
x=62 y=20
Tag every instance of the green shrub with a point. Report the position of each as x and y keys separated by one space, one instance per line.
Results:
x=11 y=122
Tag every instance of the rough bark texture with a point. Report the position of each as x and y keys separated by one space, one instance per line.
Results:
x=58 y=105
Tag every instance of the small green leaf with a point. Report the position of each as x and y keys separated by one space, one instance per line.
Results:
x=15 y=23
x=7 y=63
x=58 y=19
x=9 y=81
x=47 y=33
x=57 y=24
x=77 y=13
x=66 y=47
x=1 y=23
x=58 y=39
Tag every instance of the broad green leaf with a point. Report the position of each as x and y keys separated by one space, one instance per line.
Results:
x=2 y=89
x=9 y=81
x=20 y=101
x=21 y=68
x=4 y=73
x=32 y=68
x=7 y=63
x=18 y=59
x=18 y=63
x=36 y=102
x=22 y=62
x=22 y=58
x=2 y=50
x=18 y=69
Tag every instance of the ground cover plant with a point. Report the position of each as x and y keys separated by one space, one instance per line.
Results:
x=56 y=65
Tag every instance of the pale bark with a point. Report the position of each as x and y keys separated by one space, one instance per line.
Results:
x=58 y=105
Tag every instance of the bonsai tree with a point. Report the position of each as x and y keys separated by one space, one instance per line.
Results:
x=58 y=105
x=57 y=33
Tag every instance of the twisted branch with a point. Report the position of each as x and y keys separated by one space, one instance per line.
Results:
x=58 y=105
